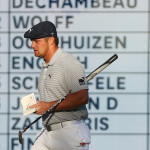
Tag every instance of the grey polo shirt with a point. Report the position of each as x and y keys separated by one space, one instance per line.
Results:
x=62 y=75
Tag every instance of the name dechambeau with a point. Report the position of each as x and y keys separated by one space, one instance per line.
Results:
x=74 y=4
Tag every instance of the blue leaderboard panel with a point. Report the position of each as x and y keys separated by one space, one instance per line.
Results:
x=92 y=31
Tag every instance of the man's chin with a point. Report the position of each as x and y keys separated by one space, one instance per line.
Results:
x=36 y=54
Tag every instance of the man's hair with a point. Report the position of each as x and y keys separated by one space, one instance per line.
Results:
x=56 y=41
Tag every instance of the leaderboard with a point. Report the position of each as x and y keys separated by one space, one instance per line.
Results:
x=92 y=31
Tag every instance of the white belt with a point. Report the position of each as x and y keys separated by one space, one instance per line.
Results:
x=62 y=124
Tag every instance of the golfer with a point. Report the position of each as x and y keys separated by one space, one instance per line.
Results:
x=62 y=76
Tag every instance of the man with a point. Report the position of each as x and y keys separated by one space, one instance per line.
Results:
x=62 y=76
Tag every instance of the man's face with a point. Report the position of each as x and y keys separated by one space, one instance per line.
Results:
x=40 y=47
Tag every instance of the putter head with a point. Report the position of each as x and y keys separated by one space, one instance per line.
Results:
x=20 y=137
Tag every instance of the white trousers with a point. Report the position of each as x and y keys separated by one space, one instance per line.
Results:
x=71 y=137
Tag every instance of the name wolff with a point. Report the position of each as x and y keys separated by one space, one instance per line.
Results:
x=74 y=4
x=28 y=21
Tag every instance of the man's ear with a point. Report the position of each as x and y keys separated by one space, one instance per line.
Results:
x=51 y=40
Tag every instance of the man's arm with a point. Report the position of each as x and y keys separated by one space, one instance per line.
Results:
x=71 y=102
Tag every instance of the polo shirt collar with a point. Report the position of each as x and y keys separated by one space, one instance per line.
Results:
x=53 y=59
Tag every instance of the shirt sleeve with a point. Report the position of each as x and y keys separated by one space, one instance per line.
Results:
x=75 y=77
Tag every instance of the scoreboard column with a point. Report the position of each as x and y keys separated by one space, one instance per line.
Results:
x=24 y=73
x=4 y=74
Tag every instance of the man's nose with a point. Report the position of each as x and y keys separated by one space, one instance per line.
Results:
x=33 y=45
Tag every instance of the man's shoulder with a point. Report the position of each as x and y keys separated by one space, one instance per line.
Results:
x=69 y=58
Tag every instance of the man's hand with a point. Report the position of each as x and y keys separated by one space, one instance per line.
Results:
x=41 y=107
x=72 y=101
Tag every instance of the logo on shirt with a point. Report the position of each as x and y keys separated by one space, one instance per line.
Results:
x=50 y=76
x=82 y=81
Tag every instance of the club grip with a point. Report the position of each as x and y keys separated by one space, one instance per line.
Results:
x=102 y=67
x=112 y=59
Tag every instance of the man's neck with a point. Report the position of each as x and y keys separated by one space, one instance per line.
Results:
x=50 y=54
